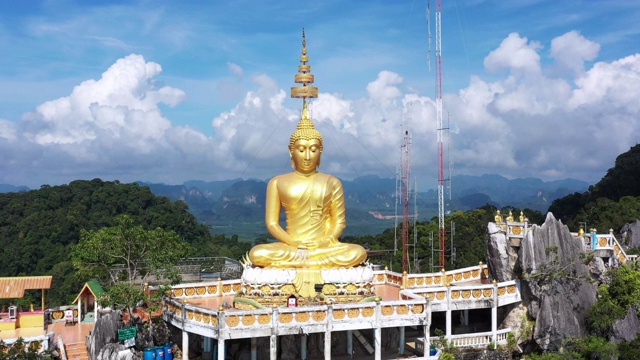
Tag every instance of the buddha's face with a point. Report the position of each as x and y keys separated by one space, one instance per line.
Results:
x=305 y=155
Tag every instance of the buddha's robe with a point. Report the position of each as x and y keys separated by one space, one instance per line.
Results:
x=315 y=214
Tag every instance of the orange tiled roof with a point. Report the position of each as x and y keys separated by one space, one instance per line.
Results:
x=14 y=287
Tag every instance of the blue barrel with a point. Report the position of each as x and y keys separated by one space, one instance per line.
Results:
x=168 y=351
x=149 y=354
x=432 y=350
x=159 y=352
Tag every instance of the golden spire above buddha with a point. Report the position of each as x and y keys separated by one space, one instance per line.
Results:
x=313 y=204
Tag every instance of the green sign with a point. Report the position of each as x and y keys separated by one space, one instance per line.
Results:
x=127 y=333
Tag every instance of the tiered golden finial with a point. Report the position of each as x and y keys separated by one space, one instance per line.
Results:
x=304 y=77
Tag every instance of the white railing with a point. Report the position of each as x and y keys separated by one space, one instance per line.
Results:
x=478 y=340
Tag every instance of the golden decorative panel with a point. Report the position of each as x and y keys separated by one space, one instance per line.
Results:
x=420 y=281
x=387 y=310
x=329 y=289
x=367 y=312
x=226 y=288
x=198 y=316
x=402 y=310
x=429 y=295
x=475 y=273
x=440 y=295
x=178 y=312
x=190 y=291
x=417 y=309
x=248 y=320
x=466 y=274
x=206 y=318
x=485 y=271
x=457 y=276
x=476 y=293
x=351 y=289
x=353 y=313
x=233 y=320
x=455 y=294
x=622 y=258
x=214 y=320
x=429 y=281
x=616 y=249
x=189 y=314
x=75 y=313
x=319 y=315
x=177 y=292
x=288 y=289
x=487 y=292
x=338 y=314
x=57 y=315
x=237 y=287
x=201 y=290
x=302 y=317
x=502 y=291
x=265 y=289
x=213 y=289
x=285 y=318
x=511 y=289
x=264 y=319
x=437 y=280
x=449 y=279
x=380 y=278
x=516 y=230
x=602 y=242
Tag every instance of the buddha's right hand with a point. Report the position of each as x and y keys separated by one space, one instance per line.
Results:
x=302 y=254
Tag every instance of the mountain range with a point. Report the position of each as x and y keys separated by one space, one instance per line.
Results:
x=236 y=206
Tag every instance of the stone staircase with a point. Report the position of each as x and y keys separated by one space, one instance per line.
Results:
x=77 y=351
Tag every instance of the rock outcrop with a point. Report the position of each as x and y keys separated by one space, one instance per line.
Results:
x=557 y=280
x=104 y=332
x=625 y=329
x=630 y=235
x=556 y=287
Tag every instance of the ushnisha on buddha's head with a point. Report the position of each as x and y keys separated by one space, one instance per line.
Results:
x=305 y=146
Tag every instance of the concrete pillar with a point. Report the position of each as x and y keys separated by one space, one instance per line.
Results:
x=254 y=348
x=303 y=347
x=221 y=349
x=273 y=340
x=327 y=335
x=427 y=332
x=448 y=315
x=494 y=314
x=402 y=341
x=378 y=332
x=350 y=342
x=273 y=347
x=185 y=345
x=79 y=308
x=465 y=317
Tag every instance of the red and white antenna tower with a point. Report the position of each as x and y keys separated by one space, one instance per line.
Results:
x=440 y=130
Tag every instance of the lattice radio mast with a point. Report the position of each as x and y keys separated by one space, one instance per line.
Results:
x=440 y=130
x=406 y=163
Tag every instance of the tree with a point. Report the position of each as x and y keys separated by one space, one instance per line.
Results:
x=129 y=256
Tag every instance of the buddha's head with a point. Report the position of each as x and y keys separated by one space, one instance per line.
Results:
x=305 y=145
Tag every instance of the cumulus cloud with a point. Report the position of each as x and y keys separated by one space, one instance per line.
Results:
x=526 y=121
x=571 y=50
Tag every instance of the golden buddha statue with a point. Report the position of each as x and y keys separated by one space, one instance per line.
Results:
x=313 y=203
x=498 y=218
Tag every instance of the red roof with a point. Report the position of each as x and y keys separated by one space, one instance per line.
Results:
x=14 y=287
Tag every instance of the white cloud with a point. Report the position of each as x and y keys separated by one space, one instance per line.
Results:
x=516 y=54
x=525 y=121
x=571 y=50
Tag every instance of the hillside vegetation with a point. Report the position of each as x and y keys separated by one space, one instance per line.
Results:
x=38 y=228
x=610 y=203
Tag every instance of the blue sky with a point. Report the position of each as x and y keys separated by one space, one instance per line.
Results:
x=168 y=91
